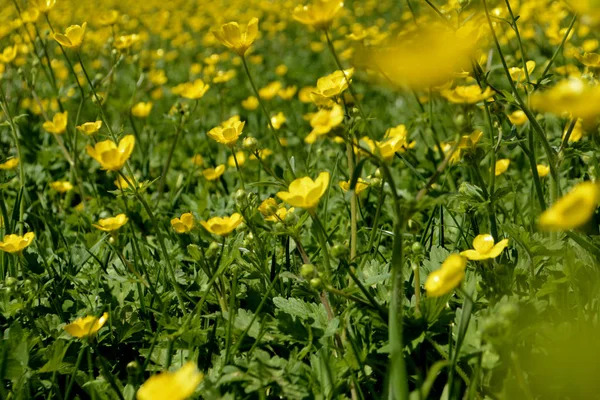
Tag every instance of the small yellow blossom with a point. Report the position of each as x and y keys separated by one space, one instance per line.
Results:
x=467 y=94
x=334 y=84
x=178 y=385
x=573 y=209
x=194 y=90
x=16 y=243
x=44 y=6
x=235 y=38
x=361 y=185
x=542 y=170
x=112 y=223
x=184 y=224
x=228 y=133
x=319 y=14
x=573 y=96
x=278 y=120
x=108 y=18
x=110 y=156
x=484 y=248
x=270 y=90
x=323 y=121
x=73 y=36
x=197 y=160
x=501 y=166
x=9 y=164
x=89 y=128
x=306 y=193
x=86 y=326
x=213 y=174
x=141 y=109
x=222 y=226
x=241 y=159
x=61 y=186
x=518 y=74
x=250 y=104
x=576 y=133
x=287 y=93
x=8 y=54
x=448 y=277
x=58 y=125
x=281 y=69
x=517 y=117
x=591 y=60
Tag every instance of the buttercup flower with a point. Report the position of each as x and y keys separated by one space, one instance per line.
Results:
x=194 y=90
x=61 y=186
x=306 y=193
x=122 y=183
x=9 y=164
x=467 y=94
x=213 y=174
x=222 y=226
x=319 y=14
x=388 y=148
x=58 y=124
x=44 y=6
x=361 y=185
x=323 y=121
x=197 y=160
x=183 y=224
x=141 y=109
x=108 y=18
x=73 y=36
x=178 y=385
x=484 y=248
x=86 y=326
x=238 y=40
x=112 y=223
x=501 y=166
x=518 y=74
x=241 y=159
x=335 y=83
x=576 y=133
x=8 y=54
x=270 y=90
x=573 y=96
x=15 y=243
x=250 y=104
x=448 y=277
x=589 y=59
x=278 y=120
x=573 y=209
x=89 y=128
x=517 y=117
x=228 y=133
x=110 y=156
x=542 y=170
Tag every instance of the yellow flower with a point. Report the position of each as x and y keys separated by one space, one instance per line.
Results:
x=141 y=109
x=8 y=54
x=73 y=36
x=278 y=120
x=388 y=148
x=270 y=91
x=268 y=207
x=576 y=133
x=319 y=14
x=448 y=277
x=281 y=69
x=112 y=223
x=194 y=90
x=467 y=94
x=484 y=248
x=126 y=41
x=323 y=121
x=501 y=166
x=110 y=156
x=58 y=124
x=241 y=159
x=235 y=38
x=108 y=18
x=250 y=104
x=589 y=59
x=122 y=183
x=197 y=160
x=178 y=385
x=228 y=133
x=334 y=84
x=87 y=326
x=224 y=76
x=305 y=94
x=15 y=243
x=361 y=185
x=573 y=209
x=9 y=164
x=89 y=128
x=542 y=170
x=44 y=6
x=222 y=226
x=183 y=224
x=288 y=92
x=213 y=174
x=517 y=117
x=518 y=74
x=306 y=193
x=61 y=186
x=573 y=96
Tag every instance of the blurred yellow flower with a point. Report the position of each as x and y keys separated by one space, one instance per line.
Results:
x=270 y=90
x=518 y=74
x=86 y=326
x=241 y=159
x=197 y=160
x=108 y=18
x=44 y=6
x=16 y=243
x=484 y=248
x=467 y=94
x=334 y=84
x=122 y=183
x=576 y=133
x=517 y=117
x=573 y=96
x=89 y=128
x=9 y=164
x=58 y=124
x=213 y=174
x=589 y=59
x=184 y=224
x=573 y=209
x=8 y=54
x=73 y=36
x=194 y=90
x=178 y=385
x=110 y=156
x=235 y=38
x=141 y=109
x=306 y=193
x=61 y=186
x=124 y=42
x=388 y=148
x=323 y=121
x=287 y=93
x=250 y=104
x=281 y=69
x=361 y=185
x=319 y=14
x=278 y=120
x=305 y=94
x=501 y=166
x=112 y=223
x=222 y=226
x=448 y=277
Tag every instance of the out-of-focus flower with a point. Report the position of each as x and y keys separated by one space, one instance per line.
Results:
x=110 y=156
x=112 y=223
x=198 y=160
x=484 y=248
x=213 y=174
x=319 y=14
x=89 y=128
x=542 y=170
x=334 y=84
x=61 y=186
x=448 y=277
x=44 y=6
x=590 y=9
x=501 y=166
x=86 y=326
x=288 y=92
x=361 y=185
x=222 y=226
x=58 y=124
x=124 y=42
x=194 y=90
x=389 y=147
x=178 y=385
x=8 y=54
x=517 y=117
x=573 y=96
x=323 y=121
x=241 y=159
x=122 y=183
x=228 y=132
x=141 y=109
x=235 y=38
x=9 y=164
x=518 y=74
x=281 y=69
x=306 y=193
x=270 y=90
x=278 y=120
x=73 y=36
x=224 y=76
x=467 y=94
x=184 y=224
x=16 y=243
x=305 y=94
x=573 y=209
x=589 y=59
x=250 y=104
x=108 y=18
x=576 y=133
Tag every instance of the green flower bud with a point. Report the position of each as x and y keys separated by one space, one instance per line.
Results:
x=307 y=271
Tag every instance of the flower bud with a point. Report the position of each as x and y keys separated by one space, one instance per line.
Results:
x=250 y=143
x=316 y=283
x=307 y=270
x=339 y=251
